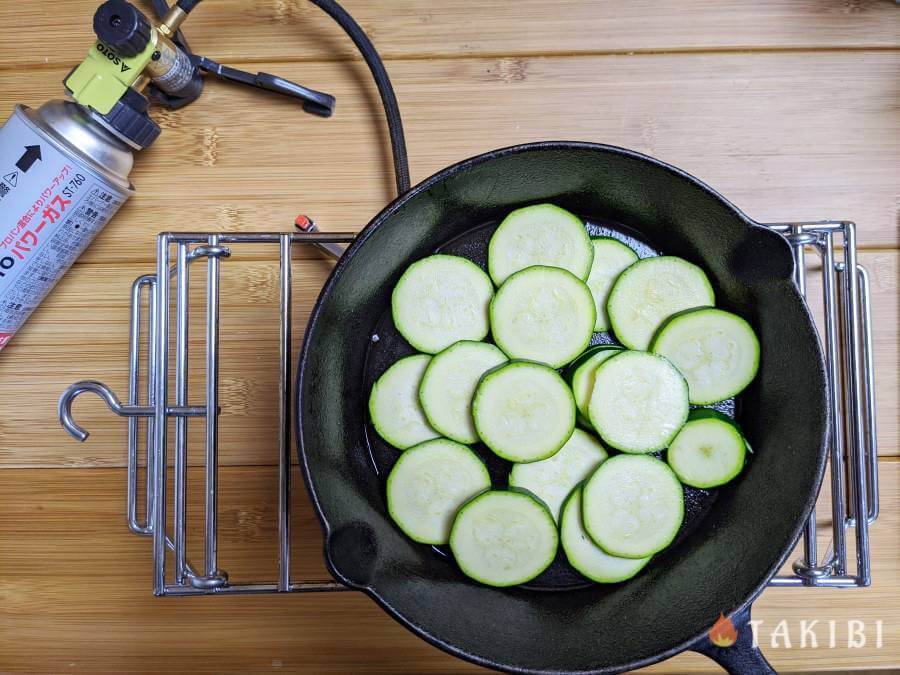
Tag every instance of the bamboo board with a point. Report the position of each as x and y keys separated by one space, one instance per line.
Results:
x=789 y=108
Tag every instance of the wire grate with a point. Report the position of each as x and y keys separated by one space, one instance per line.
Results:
x=847 y=338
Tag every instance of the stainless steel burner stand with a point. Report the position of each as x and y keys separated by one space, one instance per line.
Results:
x=847 y=339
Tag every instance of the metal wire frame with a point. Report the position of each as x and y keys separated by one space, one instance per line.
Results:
x=853 y=446
x=848 y=349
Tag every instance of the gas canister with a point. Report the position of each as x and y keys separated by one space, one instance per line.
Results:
x=64 y=167
x=63 y=177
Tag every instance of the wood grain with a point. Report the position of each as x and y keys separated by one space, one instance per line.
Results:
x=802 y=136
x=788 y=107
x=271 y=30
x=72 y=575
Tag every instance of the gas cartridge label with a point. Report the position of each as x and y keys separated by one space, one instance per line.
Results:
x=51 y=207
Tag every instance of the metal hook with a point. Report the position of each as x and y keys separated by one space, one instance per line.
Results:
x=64 y=409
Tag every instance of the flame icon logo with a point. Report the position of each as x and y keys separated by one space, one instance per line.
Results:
x=723 y=633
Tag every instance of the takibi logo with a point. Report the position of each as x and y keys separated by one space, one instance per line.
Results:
x=859 y=634
x=723 y=633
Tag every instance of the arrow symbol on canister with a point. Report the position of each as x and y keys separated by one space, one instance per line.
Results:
x=31 y=155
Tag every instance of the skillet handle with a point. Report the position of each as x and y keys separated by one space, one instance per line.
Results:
x=741 y=658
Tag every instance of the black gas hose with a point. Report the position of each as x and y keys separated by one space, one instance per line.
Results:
x=376 y=66
x=382 y=81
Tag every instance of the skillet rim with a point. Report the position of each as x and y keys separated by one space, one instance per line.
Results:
x=360 y=240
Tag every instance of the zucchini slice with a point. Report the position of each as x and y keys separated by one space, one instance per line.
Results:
x=639 y=402
x=633 y=506
x=708 y=451
x=543 y=314
x=580 y=376
x=611 y=258
x=394 y=403
x=584 y=555
x=449 y=384
x=503 y=538
x=716 y=351
x=551 y=480
x=523 y=411
x=539 y=235
x=649 y=292
x=428 y=485
x=440 y=300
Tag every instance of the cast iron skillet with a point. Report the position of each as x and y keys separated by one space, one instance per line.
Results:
x=736 y=540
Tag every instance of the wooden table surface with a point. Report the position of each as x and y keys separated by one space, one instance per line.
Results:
x=788 y=107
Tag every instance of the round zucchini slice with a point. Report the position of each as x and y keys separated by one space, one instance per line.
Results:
x=709 y=451
x=716 y=351
x=503 y=538
x=394 y=403
x=543 y=234
x=585 y=556
x=543 y=314
x=428 y=485
x=440 y=300
x=611 y=258
x=639 y=402
x=580 y=375
x=449 y=384
x=649 y=292
x=633 y=506
x=551 y=480
x=523 y=411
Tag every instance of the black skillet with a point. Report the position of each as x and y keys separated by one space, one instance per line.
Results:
x=735 y=539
